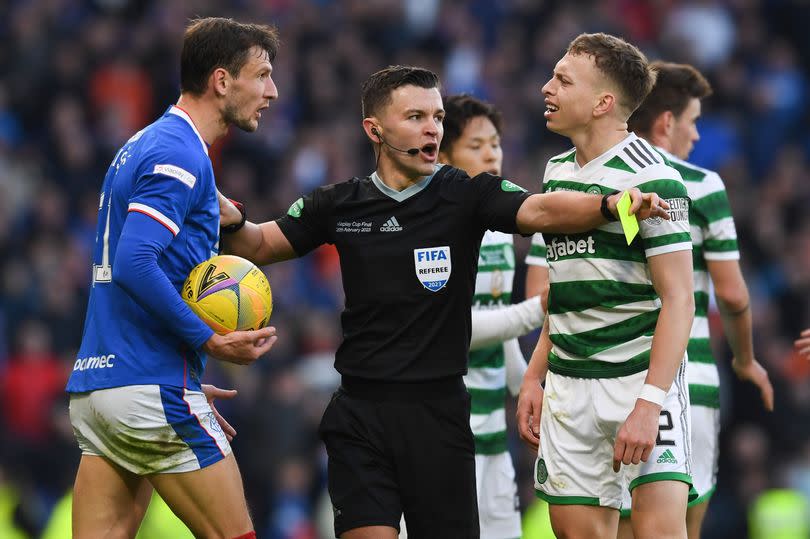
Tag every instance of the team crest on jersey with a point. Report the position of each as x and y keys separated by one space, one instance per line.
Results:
x=433 y=266
x=508 y=186
x=296 y=208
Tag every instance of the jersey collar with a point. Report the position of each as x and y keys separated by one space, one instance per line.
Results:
x=177 y=111
x=406 y=193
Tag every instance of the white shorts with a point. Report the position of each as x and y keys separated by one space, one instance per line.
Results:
x=148 y=429
x=705 y=433
x=498 y=507
x=578 y=427
x=705 y=438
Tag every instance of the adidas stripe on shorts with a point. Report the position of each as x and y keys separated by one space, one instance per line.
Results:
x=148 y=429
x=578 y=427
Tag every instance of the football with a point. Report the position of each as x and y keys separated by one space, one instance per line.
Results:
x=229 y=293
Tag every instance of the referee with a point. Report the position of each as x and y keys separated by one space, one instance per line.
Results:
x=397 y=431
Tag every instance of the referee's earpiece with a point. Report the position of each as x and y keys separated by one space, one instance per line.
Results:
x=376 y=134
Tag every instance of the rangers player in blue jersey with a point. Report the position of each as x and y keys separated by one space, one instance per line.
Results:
x=137 y=406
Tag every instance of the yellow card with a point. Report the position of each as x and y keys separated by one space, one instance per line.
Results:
x=629 y=222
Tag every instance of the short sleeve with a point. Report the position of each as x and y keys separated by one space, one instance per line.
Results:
x=497 y=201
x=305 y=224
x=537 y=252
x=660 y=236
x=719 y=232
x=167 y=188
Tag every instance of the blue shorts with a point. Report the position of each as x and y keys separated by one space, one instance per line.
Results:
x=148 y=429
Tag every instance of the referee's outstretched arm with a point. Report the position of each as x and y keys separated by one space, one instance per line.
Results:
x=571 y=212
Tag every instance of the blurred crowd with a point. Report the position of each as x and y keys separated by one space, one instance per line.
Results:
x=77 y=78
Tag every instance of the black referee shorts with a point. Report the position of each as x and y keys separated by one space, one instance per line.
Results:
x=399 y=448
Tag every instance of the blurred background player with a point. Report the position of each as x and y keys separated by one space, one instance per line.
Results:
x=667 y=119
x=137 y=406
x=472 y=142
x=619 y=316
x=397 y=432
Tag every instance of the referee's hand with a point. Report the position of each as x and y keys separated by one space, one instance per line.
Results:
x=241 y=347
x=529 y=408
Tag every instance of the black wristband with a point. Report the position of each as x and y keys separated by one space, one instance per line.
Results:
x=605 y=211
x=230 y=229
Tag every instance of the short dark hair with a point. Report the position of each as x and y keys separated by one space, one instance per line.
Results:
x=215 y=42
x=676 y=85
x=622 y=63
x=376 y=90
x=459 y=110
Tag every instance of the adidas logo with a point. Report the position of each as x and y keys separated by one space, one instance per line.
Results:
x=667 y=457
x=391 y=225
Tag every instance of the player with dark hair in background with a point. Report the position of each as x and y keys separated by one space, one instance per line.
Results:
x=472 y=142
x=667 y=119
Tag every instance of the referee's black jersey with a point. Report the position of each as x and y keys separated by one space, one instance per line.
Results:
x=409 y=261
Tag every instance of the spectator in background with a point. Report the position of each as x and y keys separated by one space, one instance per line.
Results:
x=31 y=383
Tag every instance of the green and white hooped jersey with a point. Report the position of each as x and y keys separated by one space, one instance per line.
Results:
x=714 y=237
x=486 y=375
x=537 y=251
x=602 y=306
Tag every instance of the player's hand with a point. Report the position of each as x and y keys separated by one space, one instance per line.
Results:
x=757 y=375
x=643 y=205
x=241 y=347
x=228 y=212
x=803 y=345
x=636 y=437
x=211 y=394
x=529 y=408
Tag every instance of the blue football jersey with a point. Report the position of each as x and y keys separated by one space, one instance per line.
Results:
x=163 y=172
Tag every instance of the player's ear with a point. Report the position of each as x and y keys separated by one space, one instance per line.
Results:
x=604 y=104
x=220 y=80
x=664 y=124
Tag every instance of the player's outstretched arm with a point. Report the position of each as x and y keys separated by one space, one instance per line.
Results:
x=260 y=243
x=494 y=326
x=530 y=399
x=734 y=304
x=671 y=275
x=571 y=212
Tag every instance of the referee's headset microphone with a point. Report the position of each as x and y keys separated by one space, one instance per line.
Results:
x=411 y=151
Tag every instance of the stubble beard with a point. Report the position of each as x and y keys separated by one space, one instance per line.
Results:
x=231 y=117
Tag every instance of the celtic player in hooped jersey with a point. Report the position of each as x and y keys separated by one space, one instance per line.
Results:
x=472 y=142
x=667 y=118
x=618 y=319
